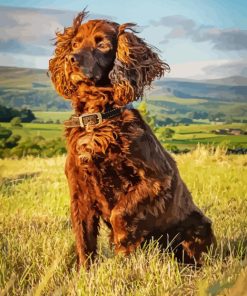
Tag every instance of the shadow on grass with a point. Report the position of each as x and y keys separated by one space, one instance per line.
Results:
x=8 y=184
x=232 y=281
x=234 y=248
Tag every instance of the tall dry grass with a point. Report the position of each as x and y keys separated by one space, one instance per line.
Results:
x=37 y=244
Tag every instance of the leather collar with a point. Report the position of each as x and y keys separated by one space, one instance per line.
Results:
x=91 y=118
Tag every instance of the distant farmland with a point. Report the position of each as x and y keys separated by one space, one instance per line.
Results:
x=184 y=137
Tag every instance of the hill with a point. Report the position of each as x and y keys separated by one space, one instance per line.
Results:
x=179 y=97
x=231 y=89
x=232 y=80
x=31 y=88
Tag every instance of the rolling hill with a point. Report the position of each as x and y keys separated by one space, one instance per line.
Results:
x=31 y=88
x=230 y=89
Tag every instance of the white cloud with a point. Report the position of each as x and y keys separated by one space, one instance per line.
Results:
x=22 y=60
x=31 y=31
x=208 y=69
x=230 y=39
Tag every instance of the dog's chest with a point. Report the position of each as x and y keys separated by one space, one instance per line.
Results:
x=115 y=176
x=103 y=158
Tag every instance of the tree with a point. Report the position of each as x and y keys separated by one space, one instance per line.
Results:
x=150 y=120
x=12 y=141
x=16 y=122
x=4 y=133
x=168 y=133
x=6 y=114
x=27 y=115
x=219 y=116
x=165 y=133
x=172 y=148
x=166 y=121
x=185 y=120
x=198 y=115
x=7 y=141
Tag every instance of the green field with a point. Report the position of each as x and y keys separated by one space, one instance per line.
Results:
x=190 y=136
x=48 y=131
x=170 y=106
x=184 y=137
x=202 y=128
x=37 y=244
x=180 y=101
x=52 y=115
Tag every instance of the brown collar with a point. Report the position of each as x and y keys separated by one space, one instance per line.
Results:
x=91 y=118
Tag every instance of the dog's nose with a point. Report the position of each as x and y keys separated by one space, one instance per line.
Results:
x=87 y=72
x=73 y=58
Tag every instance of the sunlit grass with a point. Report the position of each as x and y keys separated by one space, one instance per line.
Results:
x=48 y=115
x=184 y=137
x=30 y=130
x=181 y=101
x=37 y=244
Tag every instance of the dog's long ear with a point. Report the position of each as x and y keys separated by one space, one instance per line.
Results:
x=136 y=66
x=63 y=48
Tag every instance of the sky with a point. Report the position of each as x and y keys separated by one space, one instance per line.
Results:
x=198 y=39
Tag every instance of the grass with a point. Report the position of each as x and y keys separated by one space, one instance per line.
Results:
x=180 y=101
x=37 y=244
x=22 y=78
x=191 y=141
x=162 y=105
x=189 y=136
x=48 y=131
x=43 y=115
x=202 y=128
x=184 y=137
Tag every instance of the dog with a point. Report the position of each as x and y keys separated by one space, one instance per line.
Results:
x=116 y=168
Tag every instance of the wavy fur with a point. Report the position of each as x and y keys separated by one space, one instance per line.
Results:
x=118 y=170
x=136 y=66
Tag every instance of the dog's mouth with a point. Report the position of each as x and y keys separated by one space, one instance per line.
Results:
x=75 y=75
x=79 y=76
x=78 y=79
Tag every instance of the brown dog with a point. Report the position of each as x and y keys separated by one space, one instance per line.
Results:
x=116 y=168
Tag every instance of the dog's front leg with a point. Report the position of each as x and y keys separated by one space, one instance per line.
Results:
x=127 y=221
x=85 y=225
x=83 y=215
x=124 y=221
x=124 y=239
x=77 y=224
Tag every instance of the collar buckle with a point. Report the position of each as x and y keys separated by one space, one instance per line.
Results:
x=90 y=119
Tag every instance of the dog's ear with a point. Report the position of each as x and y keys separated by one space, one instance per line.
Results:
x=136 y=66
x=63 y=45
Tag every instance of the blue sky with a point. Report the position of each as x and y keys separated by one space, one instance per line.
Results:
x=199 y=39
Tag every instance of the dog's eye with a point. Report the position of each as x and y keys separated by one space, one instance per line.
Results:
x=98 y=39
x=75 y=44
x=102 y=45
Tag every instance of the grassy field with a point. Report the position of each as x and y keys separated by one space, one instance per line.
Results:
x=162 y=103
x=48 y=131
x=42 y=115
x=37 y=244
x=180 y=101
x=184 y=137
x=189 y=136
x=191 y=140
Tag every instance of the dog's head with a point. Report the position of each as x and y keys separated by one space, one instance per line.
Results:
x=99 y=55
